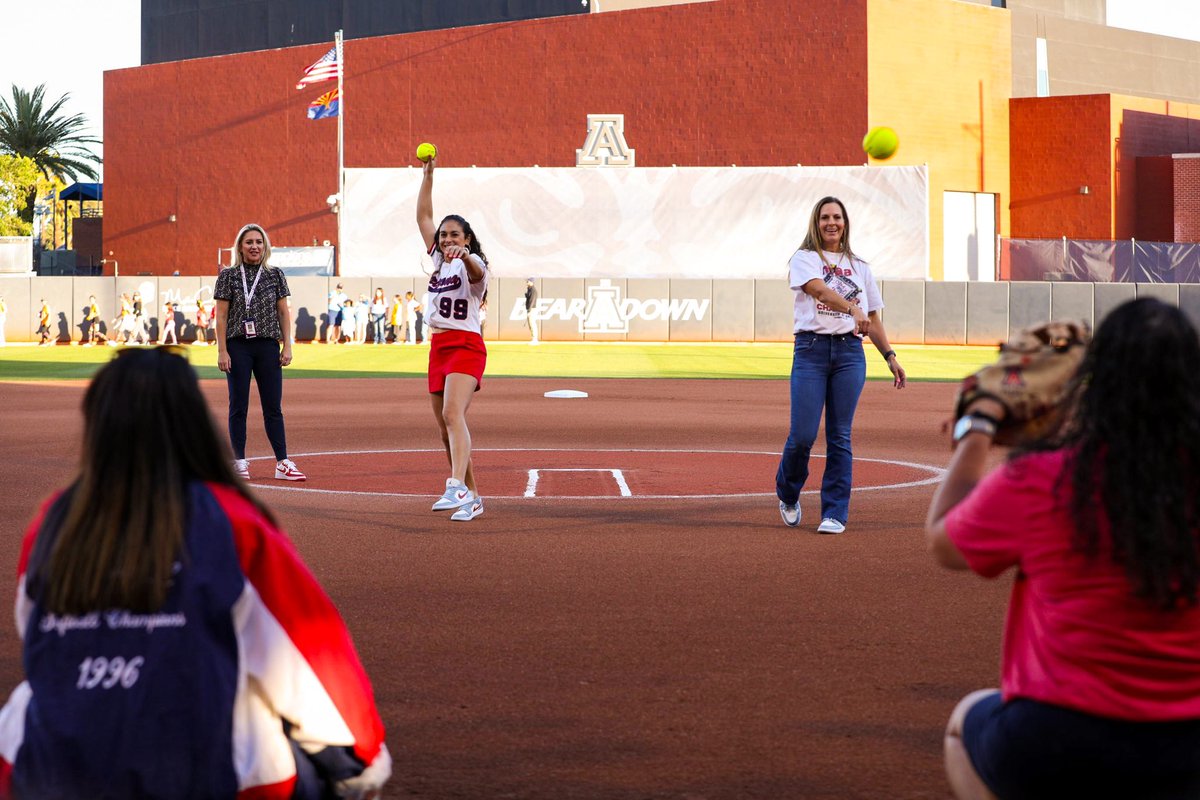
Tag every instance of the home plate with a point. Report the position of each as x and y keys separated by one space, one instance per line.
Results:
x=566 y=393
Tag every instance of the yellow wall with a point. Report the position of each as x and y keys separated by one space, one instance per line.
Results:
x=950 y=105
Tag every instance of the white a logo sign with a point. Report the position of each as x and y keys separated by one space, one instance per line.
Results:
x=605 y=145
x=603 y=312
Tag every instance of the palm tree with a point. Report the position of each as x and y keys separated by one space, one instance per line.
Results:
x=54 y=142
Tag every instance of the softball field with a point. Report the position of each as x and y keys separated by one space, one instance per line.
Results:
x=630 y=618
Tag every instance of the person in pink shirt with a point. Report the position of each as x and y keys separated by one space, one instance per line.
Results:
x=1100 y=665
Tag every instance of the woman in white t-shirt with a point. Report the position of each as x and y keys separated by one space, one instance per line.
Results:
x=457 y=356
x=837 y=303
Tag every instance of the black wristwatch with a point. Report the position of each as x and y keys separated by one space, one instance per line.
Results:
x=974 y=423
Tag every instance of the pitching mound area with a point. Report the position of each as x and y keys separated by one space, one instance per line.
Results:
x=531 y=473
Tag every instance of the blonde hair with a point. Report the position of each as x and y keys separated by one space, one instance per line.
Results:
x=237 y=244
x=813 y=240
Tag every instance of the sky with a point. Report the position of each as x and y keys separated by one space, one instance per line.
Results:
x=68 y=44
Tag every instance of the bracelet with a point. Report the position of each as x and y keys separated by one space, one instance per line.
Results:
x=889 y=355
x=981 y=415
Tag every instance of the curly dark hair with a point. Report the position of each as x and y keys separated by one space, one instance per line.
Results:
x=473 y=245
x=1133 y=434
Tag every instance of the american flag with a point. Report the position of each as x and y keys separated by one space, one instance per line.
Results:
x=323 y=69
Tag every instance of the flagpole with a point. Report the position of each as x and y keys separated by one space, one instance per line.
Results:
x=337 y=38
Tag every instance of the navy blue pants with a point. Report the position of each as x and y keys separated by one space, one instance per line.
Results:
x=258 y=357
x=1026 y=750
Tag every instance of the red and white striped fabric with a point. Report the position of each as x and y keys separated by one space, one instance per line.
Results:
x=247 y=640
x=323 y=69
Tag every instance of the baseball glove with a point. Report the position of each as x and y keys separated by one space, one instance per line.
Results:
x=1030 y=379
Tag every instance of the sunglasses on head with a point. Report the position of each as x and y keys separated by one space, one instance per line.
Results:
x=166 y=349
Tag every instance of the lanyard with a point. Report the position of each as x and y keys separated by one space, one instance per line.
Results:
x=250 y=292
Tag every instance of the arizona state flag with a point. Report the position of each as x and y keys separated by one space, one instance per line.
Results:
x=324 y=106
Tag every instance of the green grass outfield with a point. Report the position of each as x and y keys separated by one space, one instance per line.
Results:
x=521 y=360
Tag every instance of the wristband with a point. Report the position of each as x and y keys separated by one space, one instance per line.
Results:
x=889 y=355
x=984 y=416
x=974 y=423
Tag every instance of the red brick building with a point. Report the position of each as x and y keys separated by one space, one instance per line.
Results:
x=193 y=149
x=1091 y=167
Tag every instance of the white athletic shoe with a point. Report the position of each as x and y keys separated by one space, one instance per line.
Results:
x=286 y=471
x=790 y=514
x=242 y=467
x=456 y=494
x=830 y=525
x=469 y=511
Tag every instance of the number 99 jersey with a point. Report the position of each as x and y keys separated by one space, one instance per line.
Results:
x=453 y=301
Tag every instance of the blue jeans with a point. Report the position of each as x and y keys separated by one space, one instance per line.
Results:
x=257 y=357
x=828 y=373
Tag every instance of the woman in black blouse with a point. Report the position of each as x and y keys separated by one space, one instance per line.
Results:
x=254 y=338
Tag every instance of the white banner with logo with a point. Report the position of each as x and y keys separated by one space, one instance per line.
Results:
x=658 y=222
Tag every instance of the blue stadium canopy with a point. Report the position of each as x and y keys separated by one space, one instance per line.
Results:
x=82 y=191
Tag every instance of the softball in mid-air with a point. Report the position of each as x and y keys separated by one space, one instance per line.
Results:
x=426 y=151
x=881 y=142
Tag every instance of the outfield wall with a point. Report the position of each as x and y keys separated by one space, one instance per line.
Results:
x=636 y=310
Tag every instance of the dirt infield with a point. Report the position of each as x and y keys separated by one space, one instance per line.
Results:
x=656 y=635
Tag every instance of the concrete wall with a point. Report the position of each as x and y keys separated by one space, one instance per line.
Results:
x=1085 y=56
x=574 y=309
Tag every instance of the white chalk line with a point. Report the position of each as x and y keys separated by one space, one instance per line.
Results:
x=935 y=474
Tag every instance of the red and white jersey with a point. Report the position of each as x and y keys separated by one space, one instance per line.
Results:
x=452 y=302
x=188 y=701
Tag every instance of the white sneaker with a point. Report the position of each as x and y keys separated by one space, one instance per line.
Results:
x=790 y=514
x=469 y=511
x=456 y=494
x=242 y=467
x=830 y=525
x=286 y=471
